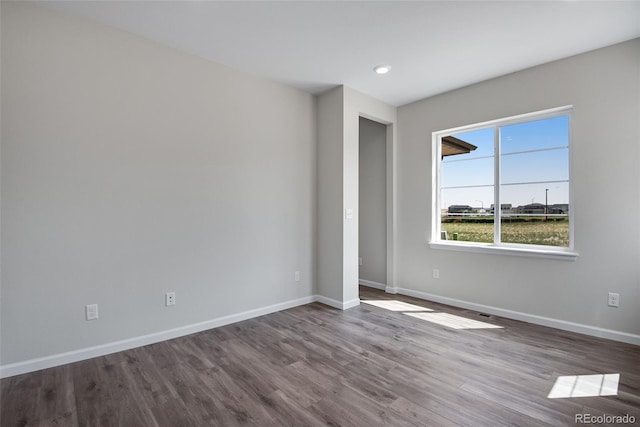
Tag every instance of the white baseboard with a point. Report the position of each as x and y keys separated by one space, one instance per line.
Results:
x=350 y=304
x=525 y=317
x=37 y=364
x=113 y=347
x=372 y=284
x=337 y=304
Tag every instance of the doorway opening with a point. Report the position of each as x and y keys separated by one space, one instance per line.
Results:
x=372 y=190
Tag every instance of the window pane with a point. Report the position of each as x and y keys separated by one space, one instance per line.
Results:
x=537 y=166
x=535 y=214
x=467 y=159
x=471 y=173
x=519 y=196
x=466 y=214
x=535 y=135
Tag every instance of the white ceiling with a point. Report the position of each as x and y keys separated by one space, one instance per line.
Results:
x=432 y=46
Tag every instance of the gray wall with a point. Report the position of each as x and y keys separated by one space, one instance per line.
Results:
x=604 y=88
x=373 y=201
x=330 y=193
x=339 y=112
x=130 y=169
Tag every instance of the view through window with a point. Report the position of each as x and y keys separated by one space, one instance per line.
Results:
x=506 y=182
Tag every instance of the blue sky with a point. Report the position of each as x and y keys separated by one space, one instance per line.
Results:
x=531 y=152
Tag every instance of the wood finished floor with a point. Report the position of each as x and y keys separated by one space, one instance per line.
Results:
x=314 y=365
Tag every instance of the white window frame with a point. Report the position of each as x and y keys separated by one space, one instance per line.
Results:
x=566 y=253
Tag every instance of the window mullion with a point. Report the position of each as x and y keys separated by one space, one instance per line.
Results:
x=497 y=206
x=436 y=230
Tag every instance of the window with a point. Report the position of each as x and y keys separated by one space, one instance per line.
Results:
x=505 y=186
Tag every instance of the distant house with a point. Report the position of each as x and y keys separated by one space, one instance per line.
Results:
x=504 y=208
x=559 y=209
x=539 y=209
x=532 y=208
x=459 y=209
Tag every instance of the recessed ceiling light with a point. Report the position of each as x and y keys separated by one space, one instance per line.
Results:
x=382 y=69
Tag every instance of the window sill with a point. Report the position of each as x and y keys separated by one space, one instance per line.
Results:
x=565 y=255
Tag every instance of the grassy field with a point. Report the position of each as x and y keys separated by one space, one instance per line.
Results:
x=551 y=233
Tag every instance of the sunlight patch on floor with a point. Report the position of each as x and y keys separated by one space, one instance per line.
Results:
x=395 y=305
x=424 y=313
x=453 y=321
x=585 y=386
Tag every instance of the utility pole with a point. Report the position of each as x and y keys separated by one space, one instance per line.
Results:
x=546 y=203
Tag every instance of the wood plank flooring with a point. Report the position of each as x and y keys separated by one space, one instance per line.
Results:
x=314 y=365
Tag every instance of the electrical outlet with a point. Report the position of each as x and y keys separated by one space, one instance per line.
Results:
x=436 y=273
x=614 y=299
x=360 y=261
x=296 y=276
x=91 y=311
x=170 y=299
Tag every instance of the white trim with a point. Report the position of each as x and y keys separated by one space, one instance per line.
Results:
x=508 y=121
x=37 y=364
x=391 y=193
x=338 y=304
x=329 y=301
x=372 y=284
x=350 y=304
x=497 y=188
x=526 y=317
x=391 y=157
x=51 y=361
x=482 y=248
x=126 y=344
